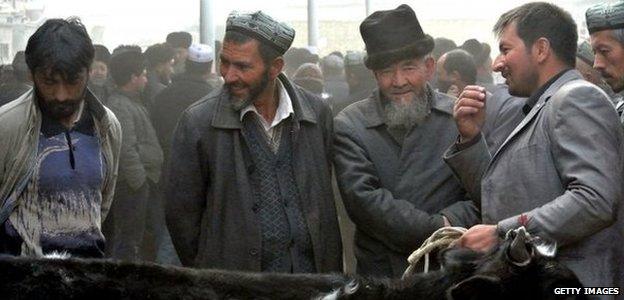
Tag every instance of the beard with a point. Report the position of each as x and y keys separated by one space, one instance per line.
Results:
x=404 y=115
x=255 y=88
x=59 y=110
x=525 y=86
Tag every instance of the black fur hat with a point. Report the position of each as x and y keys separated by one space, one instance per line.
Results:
x=393 y=35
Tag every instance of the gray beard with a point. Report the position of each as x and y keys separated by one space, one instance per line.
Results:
x=405 y=116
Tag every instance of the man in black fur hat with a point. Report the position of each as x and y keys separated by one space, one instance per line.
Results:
x=388 y=149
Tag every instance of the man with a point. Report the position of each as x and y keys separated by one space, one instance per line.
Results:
x=249 y=176
x=584 y=64
x=185 y=89
x=334 y=82
x=18 y=83
x=360 y=80
x=559 y=172
x=141 y=157
x=99 y=82
x=180 y=41
x=59 y=152
x=159 y=58
x=605 y=26
x=388 y=148
x=310 y=77
x=456 y=69
x=481 y=54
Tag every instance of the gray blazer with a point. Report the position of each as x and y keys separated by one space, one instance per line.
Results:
x=559 y=173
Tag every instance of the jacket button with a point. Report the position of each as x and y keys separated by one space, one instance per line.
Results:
x=253 y=252
x=255 y=207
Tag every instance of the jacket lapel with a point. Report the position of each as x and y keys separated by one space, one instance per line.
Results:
x=541 y=102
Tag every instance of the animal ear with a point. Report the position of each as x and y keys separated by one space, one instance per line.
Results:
x=476 y=287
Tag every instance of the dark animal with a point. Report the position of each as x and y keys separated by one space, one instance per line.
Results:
x=514 y=271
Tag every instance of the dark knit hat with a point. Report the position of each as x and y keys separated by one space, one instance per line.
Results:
x=605 y=16
x=263 y=28
x=393 y=35
x=179 y=39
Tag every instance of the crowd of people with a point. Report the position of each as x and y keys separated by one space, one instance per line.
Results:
x=150 y=156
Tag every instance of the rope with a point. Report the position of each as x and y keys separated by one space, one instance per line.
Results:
x=445 y=237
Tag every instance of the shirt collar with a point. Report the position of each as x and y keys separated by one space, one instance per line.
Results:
x=284 y=108
x=537 y=94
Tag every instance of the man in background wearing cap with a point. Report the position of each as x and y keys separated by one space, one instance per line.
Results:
x=249 y=176
x=184 y=89
x=560 y=171
x=585 y=63
x=388 y=147
x=605 y=23
x=360 y=80
x=180 y=41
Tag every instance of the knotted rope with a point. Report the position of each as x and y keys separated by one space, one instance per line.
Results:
x=443 y=238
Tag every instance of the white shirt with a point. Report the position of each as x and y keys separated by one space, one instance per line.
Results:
x=284 y=110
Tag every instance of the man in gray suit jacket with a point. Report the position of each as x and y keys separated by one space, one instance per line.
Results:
x=560 y=172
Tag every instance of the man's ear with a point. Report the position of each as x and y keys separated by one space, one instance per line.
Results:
x=476 y=287
x=541 y=49
x=276 y=67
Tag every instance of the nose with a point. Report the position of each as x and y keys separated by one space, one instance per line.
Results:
x=498 y=64
x=229 y=74
x=62 y=93
x=398 y=78
x=599 y=63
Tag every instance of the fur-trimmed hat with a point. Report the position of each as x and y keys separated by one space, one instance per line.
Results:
x=393 y=35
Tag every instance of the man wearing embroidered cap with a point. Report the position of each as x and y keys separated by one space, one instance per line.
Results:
x=605 y=23
x=184 y=89
x=249 y=172
x=388 y=149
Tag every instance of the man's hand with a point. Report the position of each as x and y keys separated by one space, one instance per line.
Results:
x=469 y=112
x=479 y=238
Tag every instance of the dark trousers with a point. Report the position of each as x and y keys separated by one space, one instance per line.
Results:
x=128 y=211
x=154 y=225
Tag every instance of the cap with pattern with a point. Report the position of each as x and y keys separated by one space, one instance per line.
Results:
x=605 y=16
x=263 y=28
x=200 y=53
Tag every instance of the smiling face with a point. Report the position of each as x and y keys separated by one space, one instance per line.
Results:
x=243 y=71
x=515 y=62
x=609 y=58
x=405 y=80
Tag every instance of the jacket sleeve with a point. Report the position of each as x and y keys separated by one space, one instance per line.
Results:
x=185 y=191
x=469 y=165
x=115 y=140
x=396 y=222
x=132 y=171
x=587 y=148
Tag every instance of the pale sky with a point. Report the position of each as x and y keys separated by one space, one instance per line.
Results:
x=145 y=22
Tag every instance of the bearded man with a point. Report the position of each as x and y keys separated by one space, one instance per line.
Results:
x=59 y=153
x=388 y=149
x=249 y=176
